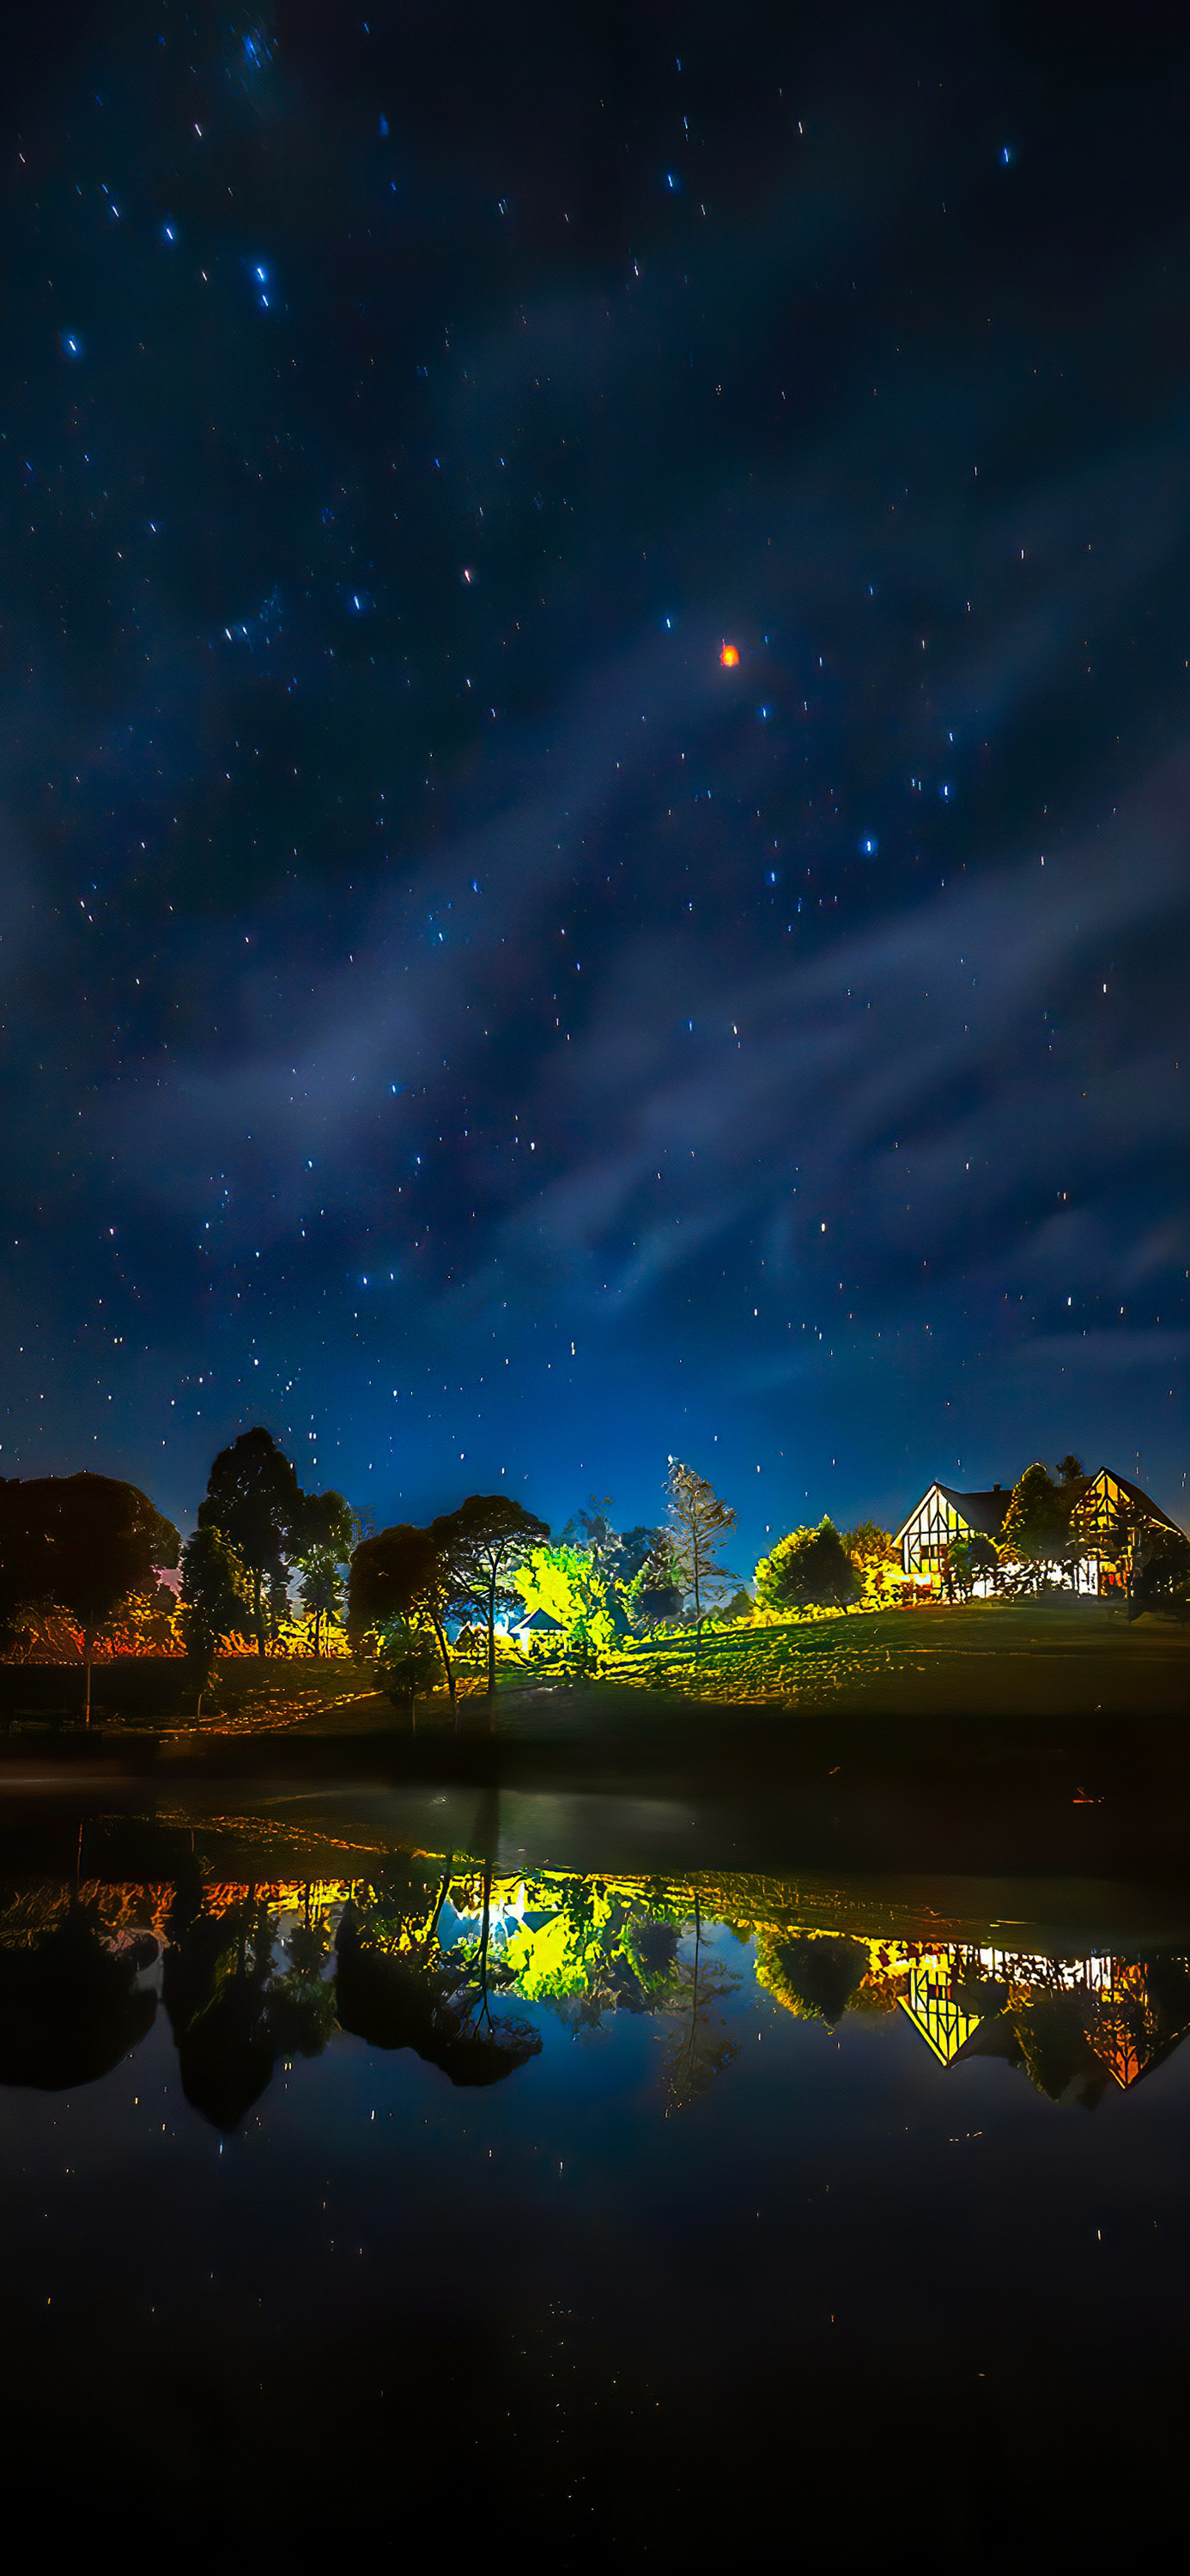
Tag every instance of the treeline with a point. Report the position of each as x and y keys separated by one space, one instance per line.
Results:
x=88 y=1552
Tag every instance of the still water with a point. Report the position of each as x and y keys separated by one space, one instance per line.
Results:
x=353 y=2188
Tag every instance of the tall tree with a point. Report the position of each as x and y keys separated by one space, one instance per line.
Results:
x=321 y=1589
x=86 y=1544
x=216 y=1601
x=488 y=1537
x=323 y=1536
x=321 y=1539
x=698 y=1524
x=406 y=1573
x=254 y=1497
x=699 y=2043
x=655 y=1593
x=1036 y=1528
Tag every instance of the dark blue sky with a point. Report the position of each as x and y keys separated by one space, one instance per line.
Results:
x=451 y=1018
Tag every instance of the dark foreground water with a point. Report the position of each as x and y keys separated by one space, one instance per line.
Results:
x=365 y=2186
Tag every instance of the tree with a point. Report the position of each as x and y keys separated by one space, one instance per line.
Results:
x=486 y=1540
x=809 y=1569
x=406 y=1575
x=874 y=1557
x=1036 y=1527
x=254 y=1497
x=698 y=1524
x=967 y=1559
x=84 y=1543
x=1160 y=1575
x=699 y=2043
x=321 y=1589
x=407 y=1662
x=616 y=1555
x=321 y=1539
x=655 y=1593
x=216 y=1601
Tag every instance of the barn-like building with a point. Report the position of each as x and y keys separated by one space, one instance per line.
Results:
x=1110 y=1511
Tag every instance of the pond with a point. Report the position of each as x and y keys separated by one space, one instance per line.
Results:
x=364 y=2182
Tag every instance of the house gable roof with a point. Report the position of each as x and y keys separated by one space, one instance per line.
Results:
x=985 y=1511
x=1142 y=1502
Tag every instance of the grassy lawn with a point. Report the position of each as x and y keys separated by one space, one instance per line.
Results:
x=1056 y=1657
x=156 y=1690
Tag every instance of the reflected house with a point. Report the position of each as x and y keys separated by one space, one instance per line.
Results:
x=933 y=2008
x=419 y=1949
x=1108 y=1513
x=1074 y=2026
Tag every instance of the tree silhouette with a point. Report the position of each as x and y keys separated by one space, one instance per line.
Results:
x=486 y=1539
x=655 y=1595
x=404 y=1574
x=83 y=1544
x=1036 y=1528
x=1160 y=1574
x=231 y=2016
x=70 y=2007
x=406 y=1995
x=699 y=2044
x=215 y=1599
x=254 y=1498
x=321 y=1540
x=698 y=1524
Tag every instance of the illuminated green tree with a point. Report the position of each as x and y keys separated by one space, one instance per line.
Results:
x=874 y=1557
x=808 y=1569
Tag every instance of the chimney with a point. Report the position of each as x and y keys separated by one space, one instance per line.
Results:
x=997 y=1489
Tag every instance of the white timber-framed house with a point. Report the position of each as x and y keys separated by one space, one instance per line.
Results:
x=1108 y=1510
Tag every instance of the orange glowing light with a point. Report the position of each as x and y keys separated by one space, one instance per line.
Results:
x=730 y=656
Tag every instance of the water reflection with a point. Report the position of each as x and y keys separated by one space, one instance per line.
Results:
x=458 y=1962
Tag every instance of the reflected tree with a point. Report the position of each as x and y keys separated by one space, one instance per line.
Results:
x=699 y=2045
x=70 y=2005
x=400 y=1991
x=231 y=2015
x=814 y=1974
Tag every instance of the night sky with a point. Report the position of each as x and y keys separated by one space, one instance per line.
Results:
x=449 y=1016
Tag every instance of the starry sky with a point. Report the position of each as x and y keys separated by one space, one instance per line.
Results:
x=452 y=1016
